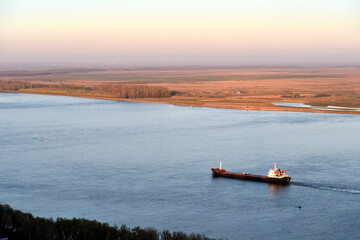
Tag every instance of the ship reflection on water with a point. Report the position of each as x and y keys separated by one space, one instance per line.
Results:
x=275 y=190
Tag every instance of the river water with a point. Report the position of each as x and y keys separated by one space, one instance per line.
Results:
x=144 y=164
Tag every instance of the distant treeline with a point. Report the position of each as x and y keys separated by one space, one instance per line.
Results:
x=8 y=85
x=132 y=91
x=17 y=73
x=104 y=90
x=15 y=224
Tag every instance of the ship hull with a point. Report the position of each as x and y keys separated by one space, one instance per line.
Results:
x=251 y=177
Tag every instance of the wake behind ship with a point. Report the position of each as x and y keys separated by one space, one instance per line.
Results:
x=275 y=175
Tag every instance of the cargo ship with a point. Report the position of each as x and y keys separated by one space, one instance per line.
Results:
x=275 y=175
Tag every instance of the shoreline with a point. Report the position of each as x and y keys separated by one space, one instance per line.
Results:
x=225 y=88
x=196 y=102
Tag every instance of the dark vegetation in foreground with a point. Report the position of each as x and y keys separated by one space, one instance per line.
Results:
x=104 y=90
x=15 y=224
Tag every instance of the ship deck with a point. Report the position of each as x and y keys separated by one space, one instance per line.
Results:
x=252 y=177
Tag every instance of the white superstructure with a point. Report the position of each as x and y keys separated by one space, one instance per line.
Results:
x=277 y=172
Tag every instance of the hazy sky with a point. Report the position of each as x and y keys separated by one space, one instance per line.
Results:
x=274 y=31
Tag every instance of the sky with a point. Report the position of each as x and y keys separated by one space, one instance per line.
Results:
x=185 y=31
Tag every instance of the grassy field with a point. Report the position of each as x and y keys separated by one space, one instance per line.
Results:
x=222 y=87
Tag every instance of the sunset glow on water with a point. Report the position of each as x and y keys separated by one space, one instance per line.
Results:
x=149 y=165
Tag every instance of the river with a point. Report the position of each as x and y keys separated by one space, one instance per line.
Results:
x=148 y=165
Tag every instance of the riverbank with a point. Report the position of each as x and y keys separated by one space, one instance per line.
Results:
x=211 y=103
x=248 y=104
x=245 y=105
x=245 y=88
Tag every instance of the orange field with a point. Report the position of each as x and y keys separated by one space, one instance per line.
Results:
x=249 y=88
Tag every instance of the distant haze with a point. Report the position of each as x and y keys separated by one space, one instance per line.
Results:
x=180 y=32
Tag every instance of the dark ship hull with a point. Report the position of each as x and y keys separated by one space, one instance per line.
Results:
x=245 y=176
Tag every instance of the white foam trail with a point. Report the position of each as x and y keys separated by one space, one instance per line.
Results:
x=328 y=188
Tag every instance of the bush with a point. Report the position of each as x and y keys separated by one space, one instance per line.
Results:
x=323 y=95
x=15 y=224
